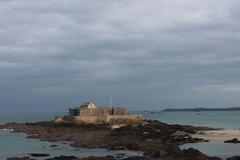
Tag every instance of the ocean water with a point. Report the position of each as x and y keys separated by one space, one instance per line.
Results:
x=219 y=119
x=27 y=117
x=16 y=144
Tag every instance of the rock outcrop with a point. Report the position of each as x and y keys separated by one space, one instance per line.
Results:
x=155 y=139
x=234 y=158
x=234 y=140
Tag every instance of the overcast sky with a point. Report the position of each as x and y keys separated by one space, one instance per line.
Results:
x=146 y=54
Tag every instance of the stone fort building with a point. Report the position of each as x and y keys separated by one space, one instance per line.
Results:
x=89 y=113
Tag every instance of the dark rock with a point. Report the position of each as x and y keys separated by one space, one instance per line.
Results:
x=135 y=158
x=94 y=158
x=99 y=158
x=87 y=158
x=234 y=158
x=112 y=158
x=154 y=138
x=120 y=155
x=39 y=155
x=63 y=158
x=53 y=145
x=191 y=140
x=234 y=140
x=20 y=158
x=193 y=154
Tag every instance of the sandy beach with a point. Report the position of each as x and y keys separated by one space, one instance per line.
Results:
x=218 y=135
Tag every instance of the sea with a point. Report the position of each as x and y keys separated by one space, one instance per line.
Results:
x=16 y=144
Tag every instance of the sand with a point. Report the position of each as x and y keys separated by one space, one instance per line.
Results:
x=218 y=135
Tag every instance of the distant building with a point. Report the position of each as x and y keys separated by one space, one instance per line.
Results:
x=89 y=113
x=88 y=105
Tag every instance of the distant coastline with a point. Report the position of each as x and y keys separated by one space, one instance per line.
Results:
x=200 y=109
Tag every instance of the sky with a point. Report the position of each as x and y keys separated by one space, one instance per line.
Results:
x=146 y=54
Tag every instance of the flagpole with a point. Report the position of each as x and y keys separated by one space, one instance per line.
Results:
x=110 y=101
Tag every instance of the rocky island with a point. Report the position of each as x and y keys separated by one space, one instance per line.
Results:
x=89 y=126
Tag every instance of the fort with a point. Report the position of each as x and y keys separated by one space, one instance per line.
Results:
x=89 y=113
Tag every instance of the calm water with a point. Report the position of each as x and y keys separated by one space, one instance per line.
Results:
x=27 y=117
x=220 y=119
x=12 y=144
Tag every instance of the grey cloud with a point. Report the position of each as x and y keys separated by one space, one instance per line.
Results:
x=144 y=53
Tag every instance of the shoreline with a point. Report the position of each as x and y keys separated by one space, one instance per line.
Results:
x=219 y=135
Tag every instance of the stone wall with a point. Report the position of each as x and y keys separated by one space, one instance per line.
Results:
x=119 y=111
x=101 y=115
x=88 y=112
x=86 y=119
x=112 y=119
x=122 y=119
x=97 y=112
x=104 y=111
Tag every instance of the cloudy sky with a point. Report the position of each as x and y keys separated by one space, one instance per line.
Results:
x=146 y=54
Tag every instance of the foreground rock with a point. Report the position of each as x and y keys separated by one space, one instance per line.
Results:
x=234 y=140
x=20 y=158
x=63 y=158
x=193 y=154
x=75 y=158
x=39 y=155
x=234 y=158
x=155 y=139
